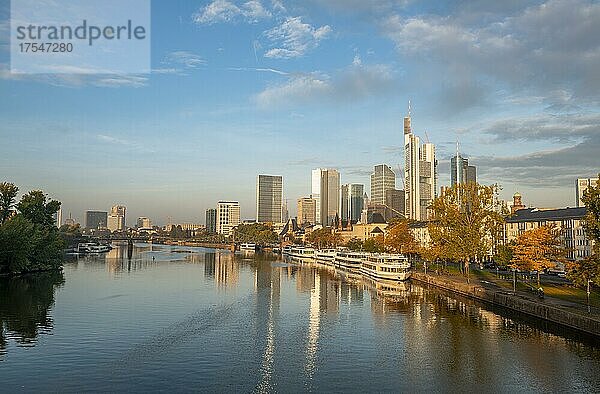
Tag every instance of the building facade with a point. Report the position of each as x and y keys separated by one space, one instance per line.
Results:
x=461 y=171
x=581 y=186
x=383 y=179
x=325 y=185
x=420 y=173
x=307 y=211
x=211 y=221
x=269 y=198
x=228 y=217
x=116 y=218
x=569 y=221
x=95 y=220
x=143 y=222
x=356 y=201
x=394 y=202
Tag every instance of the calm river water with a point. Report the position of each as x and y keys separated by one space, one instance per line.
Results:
x=195 y=319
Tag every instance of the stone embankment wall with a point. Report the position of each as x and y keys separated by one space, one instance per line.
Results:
x=541 y=310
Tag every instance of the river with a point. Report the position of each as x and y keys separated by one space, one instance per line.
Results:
x=190 y=319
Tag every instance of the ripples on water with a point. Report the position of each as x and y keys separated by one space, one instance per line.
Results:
x=199 y=320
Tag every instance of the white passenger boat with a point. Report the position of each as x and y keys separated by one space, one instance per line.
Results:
x=303 y=254
x=248 y=247
x=286 y=251
x=386 y=266
x=325 y=256
x=349 y=260
x=93 y=248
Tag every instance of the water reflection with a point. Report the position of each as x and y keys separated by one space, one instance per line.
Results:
x=25 y=304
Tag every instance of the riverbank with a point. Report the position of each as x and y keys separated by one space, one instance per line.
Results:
x=550 y=309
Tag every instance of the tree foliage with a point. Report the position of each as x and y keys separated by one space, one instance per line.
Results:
x=374 y=245
x=30 y=241
x=465 y=221
x=258 y=233
x=8 y=194
x=579 y=272
x=399 y=239
x=324 y=237
x=537 y=249
x=354 y=244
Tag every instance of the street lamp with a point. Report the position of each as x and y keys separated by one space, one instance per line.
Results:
x=588 y=295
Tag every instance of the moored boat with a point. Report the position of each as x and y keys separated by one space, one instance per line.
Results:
x=248 y=247
x=325 y=256
x=303 y=254
x=349 y=260
x=386 y=266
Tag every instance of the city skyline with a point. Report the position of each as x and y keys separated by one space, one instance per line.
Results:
x=331 y=97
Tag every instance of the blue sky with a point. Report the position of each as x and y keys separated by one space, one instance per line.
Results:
x=240 y=88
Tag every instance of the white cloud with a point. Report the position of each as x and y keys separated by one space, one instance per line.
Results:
x=355 y=82
x=226 y=11
x=293 y=38
x=185 y=59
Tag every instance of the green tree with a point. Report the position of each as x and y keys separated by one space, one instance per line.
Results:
x=33 y=207
x=465 y=219
x=258 y=233
x=324 y=238
x=354 y=244
x=8 y=194
x=374 y=245
x=504 y=255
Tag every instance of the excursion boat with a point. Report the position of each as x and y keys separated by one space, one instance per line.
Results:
x=286 y=251
x=93 y=248
x=326 y=256
x=386 y=266
x=349 y=260
x=303 y=254
x=248 y=247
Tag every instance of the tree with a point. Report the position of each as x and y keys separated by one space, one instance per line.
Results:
x=258 y=233
x=374 y=245
x=504 y=255
x=33 y=206
x=465 y=219
x=354 y=244
x=324 y=238
x=399 y=238
x=588 y=269
x=537 y=249
x=8 y=193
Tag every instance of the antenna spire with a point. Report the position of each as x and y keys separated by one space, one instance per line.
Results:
x=409 y=108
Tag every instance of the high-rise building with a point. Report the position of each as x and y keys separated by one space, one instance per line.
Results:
x=420 y=172
x=344 y=203
x=95 y=220
x=581 y=186
x=307 y=210
x=464 y=173
x=143 y=222
x=351 y=201
x=228 y=216
x=211 y=221
x=326 y=189
x=383 y=179
x=58 y=218
x=394 y=203
x=269 y=198
x=285 y=214
x=116 y=219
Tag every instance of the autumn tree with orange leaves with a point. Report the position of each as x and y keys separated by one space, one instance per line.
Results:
x=537 y=249
x=399 y=239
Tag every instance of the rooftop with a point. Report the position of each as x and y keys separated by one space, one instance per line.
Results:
x=537 y=214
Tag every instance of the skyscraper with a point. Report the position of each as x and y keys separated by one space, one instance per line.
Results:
x=116 y=219
x=420 y=172
x=326 y=189
x=228 y=216
x=96 y=219
x=464 y=173
x=394 y=203
x=211 y=221
x=581 y=186
x=351 y=201
x=143 y=222
x=269 y=196
x=307 y=210
x=383 y=179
